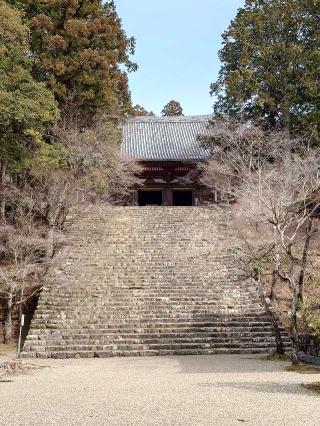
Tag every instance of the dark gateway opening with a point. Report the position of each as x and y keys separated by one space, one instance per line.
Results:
x=182 y=198
x=150 y=198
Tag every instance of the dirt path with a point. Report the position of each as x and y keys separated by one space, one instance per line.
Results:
x=207 y=390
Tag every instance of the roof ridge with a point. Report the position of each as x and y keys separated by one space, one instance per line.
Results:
x=170 y=119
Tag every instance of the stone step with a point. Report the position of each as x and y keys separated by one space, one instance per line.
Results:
x=209 y=314
x=152 y=344
x=136 y=315
x=187 y=299
x=151 y=333
x=147 y=297
x=121 y=321
x=200 y=297
x=107 y=340
x=179 y=335
x=156 y=323
x=118 y=330
x=210 y=308
x=157 y=346
x=146 y=352
x=152 y=293
x=182 y=304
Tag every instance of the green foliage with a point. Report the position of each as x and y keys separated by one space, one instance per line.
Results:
x=140 y=111
x=47 y=157
x=173 y=108
x=277 y=357
x=270 y=65
x=317 y=280
x=310 y=313
x=79 y=48
x=24 y=103
x=261 y=262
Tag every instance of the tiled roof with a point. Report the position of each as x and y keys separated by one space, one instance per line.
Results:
x=165 y=138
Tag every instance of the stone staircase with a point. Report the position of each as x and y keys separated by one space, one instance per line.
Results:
x=134 y=281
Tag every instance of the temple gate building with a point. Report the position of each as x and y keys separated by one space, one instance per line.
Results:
x=169 y=151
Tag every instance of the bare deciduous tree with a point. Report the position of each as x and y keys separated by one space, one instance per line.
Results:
x=99 y=170
x=275 y=182
x=22 y=250
x=35 y=203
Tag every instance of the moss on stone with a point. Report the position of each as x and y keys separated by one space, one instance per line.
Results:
x=303 y=369
x=313 y=386
x=277 y=357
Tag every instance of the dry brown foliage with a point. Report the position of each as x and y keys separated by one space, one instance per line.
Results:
x=15 y=367
x=275 y=182
x=98 y=170
x=34 y=204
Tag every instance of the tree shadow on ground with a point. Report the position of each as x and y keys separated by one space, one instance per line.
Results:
x=262 y=387
x=225 y=364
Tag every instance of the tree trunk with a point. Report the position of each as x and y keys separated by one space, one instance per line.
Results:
x=3 y=169
x=8 y=325
x=294 y=322
x=294 y=331
x=2 y=183
x=50 y=244
x=304 y=260
x=286 y=120
x=273 y=293
x=3 y=209
x=275 y=278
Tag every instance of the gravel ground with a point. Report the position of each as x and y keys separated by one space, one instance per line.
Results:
x=208 y=390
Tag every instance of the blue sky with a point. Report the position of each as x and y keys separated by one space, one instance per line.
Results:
x=177 y=50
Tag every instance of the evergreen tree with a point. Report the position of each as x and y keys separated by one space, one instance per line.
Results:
x=80 y=48
x=270 y=64
x=173 y=108
x=140 y=111
x=26 y=106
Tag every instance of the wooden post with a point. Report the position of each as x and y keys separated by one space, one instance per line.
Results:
x=167 y=197
x=20 y=334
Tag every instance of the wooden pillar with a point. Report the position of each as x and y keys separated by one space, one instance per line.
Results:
x=167 y=197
